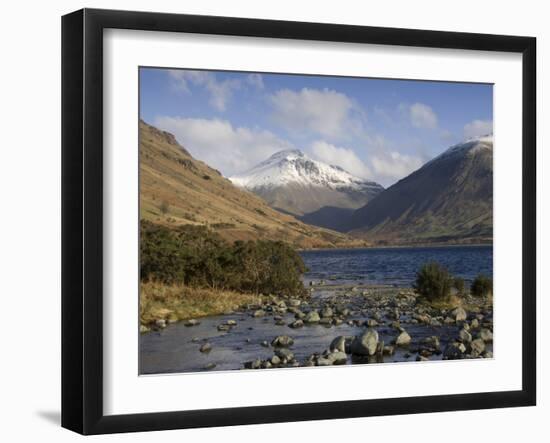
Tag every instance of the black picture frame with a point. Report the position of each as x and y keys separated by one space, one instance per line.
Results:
x=82 y=218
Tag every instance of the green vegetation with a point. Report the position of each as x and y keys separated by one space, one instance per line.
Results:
x=433 y=282
x=482 y=286
x=196 y=257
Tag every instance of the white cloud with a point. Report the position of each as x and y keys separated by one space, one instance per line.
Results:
x=325 y=112
x=446 y=135
x=220 y=91
x=394 y=165
x=343 y=157
x=477 y=128
x=420 y=115
x=255 y=80
x=218 y=143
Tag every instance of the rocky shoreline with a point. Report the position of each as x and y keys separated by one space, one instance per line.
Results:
x=389 y=325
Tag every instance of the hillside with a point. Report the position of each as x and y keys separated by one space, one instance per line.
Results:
x=177 y=189
x=313 y=191
x=448 y=200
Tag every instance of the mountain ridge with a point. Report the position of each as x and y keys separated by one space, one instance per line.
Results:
x=177 y=189
x=448 y=200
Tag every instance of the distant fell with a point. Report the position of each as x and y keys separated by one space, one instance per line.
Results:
x=448 y=200
x=311 y=190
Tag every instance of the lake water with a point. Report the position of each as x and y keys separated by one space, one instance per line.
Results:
x=176 y=348
x=396 y=266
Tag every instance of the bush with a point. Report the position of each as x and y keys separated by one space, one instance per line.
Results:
x=433 y=281
x=482 y=286
x=198 y=257
x=458 y=284
x=164 y=207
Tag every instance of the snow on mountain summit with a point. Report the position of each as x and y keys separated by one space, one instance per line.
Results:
x=294 y=167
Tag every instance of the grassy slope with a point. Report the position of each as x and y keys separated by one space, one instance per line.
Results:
x=194 y=193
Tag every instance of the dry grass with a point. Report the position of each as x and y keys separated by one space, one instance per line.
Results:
x=452 y=302
x=179 y=302
x=469 y=303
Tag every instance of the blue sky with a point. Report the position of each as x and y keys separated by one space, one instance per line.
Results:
x=379 y=129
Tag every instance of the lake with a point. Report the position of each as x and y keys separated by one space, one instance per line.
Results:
x=396 y=266
x=176 y=348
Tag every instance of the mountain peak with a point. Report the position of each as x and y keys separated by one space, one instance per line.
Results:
x=467 y=147
x=292 y=166
x=287 y=153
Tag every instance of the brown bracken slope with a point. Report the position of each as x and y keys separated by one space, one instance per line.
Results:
x=177 y=189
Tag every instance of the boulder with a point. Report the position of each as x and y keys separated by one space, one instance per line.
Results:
x=477 y=347
x=327 y=312
x=323 y=361
x=275 y=360
x=312 y=317
x=207 y=347
x=143 y=329
x=486 y=335
x=454 y=351
x=192 y=322
x=160 y=323
x=282 y=341
x=296 y=324
x=337 y=358
x=465 y=336
x=338 y=344
x=254 y=364
x=284 y=354
x=403 y=339
x=371 y=323
x=231 y=323
x=432 y=342
x=459 y=314
x=365 y=344
x=258 y=313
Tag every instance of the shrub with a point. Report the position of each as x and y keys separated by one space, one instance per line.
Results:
x=198 y=257
x=164 y=207
x=458 y=284
x=433 y=281
x=482 y=286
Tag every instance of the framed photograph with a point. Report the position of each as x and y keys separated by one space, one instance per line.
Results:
x=269 y=221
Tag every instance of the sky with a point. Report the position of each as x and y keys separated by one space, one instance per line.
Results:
x=377 y=129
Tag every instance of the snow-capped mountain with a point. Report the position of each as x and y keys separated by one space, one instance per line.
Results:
x=449 y=199
x=467 y=147
x=294 y=167
x=295 y=183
